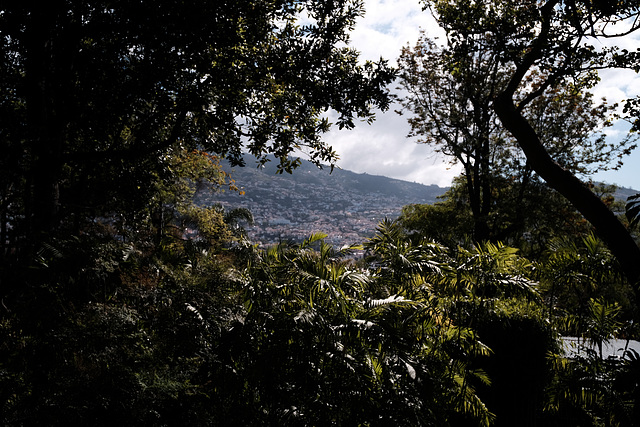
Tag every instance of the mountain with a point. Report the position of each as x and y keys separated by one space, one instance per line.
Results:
x=345 y=205
x=622 y=193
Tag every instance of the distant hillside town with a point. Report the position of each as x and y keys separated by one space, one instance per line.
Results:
x=345 y=205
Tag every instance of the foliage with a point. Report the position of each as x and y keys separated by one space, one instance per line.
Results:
x=178 y=331
x=592 y=388
x=114 y=333
x=484 y=289
x=633 y=210
x=122 y=303
x=527 y=216
x=106 y=98
x=584 y=285
x=447 y=221
x=546 y=47
x=573 y=273
x=320 y=342
x=450 y=94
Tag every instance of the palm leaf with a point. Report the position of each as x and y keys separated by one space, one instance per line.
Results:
x=390 y=300
x=315 y=237
x=633 y=209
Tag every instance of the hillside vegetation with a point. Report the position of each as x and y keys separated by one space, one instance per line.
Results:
x=126 y=300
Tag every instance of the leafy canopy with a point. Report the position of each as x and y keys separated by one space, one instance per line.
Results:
x=545 y=46
x=100 y=95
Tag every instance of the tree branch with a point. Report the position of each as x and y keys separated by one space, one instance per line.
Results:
x=607 y=226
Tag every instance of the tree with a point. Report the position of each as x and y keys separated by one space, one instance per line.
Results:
x=451 y=107
x=525 y=215
x=546 y=45
x=99 y=95
x=115 y=331
x=448 y=221
x=450 y=92
x=113 y=112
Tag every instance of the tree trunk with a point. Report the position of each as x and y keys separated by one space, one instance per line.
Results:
x=606 y=224
x=480 y=227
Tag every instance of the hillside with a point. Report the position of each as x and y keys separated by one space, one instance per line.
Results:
x=345 y=205
x=622 y=193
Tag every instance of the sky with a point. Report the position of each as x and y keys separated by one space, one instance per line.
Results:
x=383 y=148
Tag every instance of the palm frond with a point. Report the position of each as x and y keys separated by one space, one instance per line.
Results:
x=633 y=209
x=314 y=238
x=393 y=299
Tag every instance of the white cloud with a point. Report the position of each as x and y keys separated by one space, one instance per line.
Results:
x=388 y=25
x=617 y=85
x=383 y=149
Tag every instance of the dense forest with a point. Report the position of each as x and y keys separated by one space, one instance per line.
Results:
x=115 y=112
